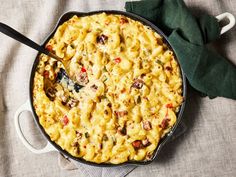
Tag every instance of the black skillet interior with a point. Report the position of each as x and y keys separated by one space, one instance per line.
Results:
x=162 y=142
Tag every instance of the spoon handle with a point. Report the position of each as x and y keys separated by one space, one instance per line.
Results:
x=7 y=30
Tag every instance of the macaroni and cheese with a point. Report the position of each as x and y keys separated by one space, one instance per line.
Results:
x=127 y=93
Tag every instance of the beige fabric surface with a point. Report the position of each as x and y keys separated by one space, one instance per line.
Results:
x=208 y=147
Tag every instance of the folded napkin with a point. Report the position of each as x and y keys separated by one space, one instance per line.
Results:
x=206 y=71
x=121 y=171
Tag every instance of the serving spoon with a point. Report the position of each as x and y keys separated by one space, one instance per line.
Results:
x=7 y=30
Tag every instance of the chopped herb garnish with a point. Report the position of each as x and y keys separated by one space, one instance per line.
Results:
x=104 y=69
x=86 y=135
x=122 y=48
x=114 y=140
x=72 y=46
x=106 y=112
x=104 y=138
x=139 y=99
x=104 y=79
x=98 y=30
x=159 y=62
x=103 y=97
x=149 y=51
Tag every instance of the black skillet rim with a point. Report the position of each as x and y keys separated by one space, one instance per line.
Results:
x=66 y=16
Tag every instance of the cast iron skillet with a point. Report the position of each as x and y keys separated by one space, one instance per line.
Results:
x=162 y=142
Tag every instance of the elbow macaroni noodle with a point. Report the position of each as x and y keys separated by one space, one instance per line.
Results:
x=132 y=89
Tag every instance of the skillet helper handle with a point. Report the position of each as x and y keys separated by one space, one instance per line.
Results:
x=22 y=108
x=231 y=20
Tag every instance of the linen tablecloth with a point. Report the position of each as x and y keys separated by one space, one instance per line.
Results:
x=208 y=147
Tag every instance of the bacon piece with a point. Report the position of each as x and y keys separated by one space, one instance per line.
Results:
x=121 y=113
x=164 y=123
x=102 y=39
x=51 y=93
x=138 y=83
x=146 y=142
x=168 y=68
x=123 y=90
x=109 y=105
x=78 y=135
x=46 y=74
x=72 y=102
x=143 y=75
x=137 y=144
x=94 y=87
x=75 y=144
x=122 y=130
x=123 y=20
x=82 y=78
x=49 y=47
x=77 y=150
x=147 y=125
x=106 y=112
x=65 y=120
x=149 y=156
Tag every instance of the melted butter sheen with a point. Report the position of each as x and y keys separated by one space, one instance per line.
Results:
x=132 y=89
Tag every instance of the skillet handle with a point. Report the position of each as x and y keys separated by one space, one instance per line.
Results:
x=22 y=108
x=231 y=23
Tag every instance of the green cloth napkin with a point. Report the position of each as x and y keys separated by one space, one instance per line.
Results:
x=206 y=71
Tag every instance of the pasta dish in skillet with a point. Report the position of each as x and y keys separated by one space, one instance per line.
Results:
x=132 y=89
